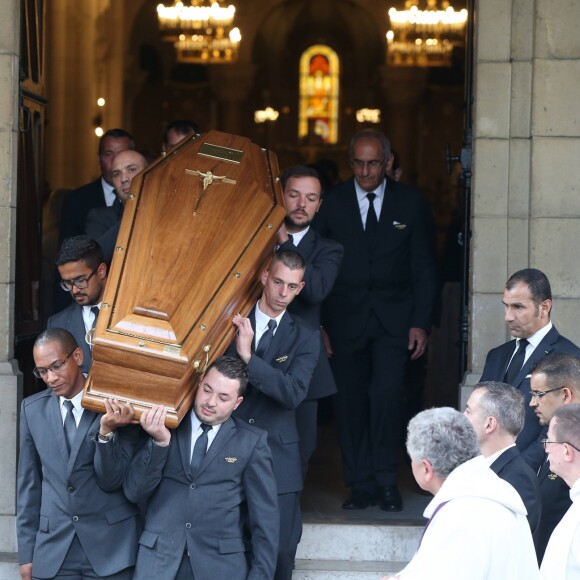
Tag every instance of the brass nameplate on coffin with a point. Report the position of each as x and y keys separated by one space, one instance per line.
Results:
x=172 y=349
x=223 y=153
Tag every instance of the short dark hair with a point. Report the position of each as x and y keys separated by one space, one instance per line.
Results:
x=561 y=370
x=181 y=127
x=63 y=337
x=232 y=368
x=290 y=259
x=300 y=171
x=567 y=427
x=371 y=134
x=536 y=281
x=505 y=403
x=116 y=134
x=80 y=248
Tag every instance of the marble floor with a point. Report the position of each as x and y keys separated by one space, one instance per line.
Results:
x=324 y=491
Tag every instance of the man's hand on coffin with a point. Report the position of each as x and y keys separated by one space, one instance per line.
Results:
x=118 y=414
x=153 y=422
x=282 y=236
x=244 y=337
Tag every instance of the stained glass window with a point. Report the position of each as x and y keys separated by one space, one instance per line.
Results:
x=319 y=76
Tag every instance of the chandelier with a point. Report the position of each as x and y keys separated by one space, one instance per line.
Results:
x=425 y=33
x=201 y=31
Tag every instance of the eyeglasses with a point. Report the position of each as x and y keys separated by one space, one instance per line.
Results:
x=56 y=367
x=81 y=283
x=540 y=394
x=546 y=442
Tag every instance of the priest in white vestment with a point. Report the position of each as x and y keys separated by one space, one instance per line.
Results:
x=477 y=528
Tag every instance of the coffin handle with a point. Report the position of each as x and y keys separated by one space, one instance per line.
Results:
x=199 y=369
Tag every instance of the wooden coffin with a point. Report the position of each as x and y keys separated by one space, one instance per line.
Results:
x=197 y=231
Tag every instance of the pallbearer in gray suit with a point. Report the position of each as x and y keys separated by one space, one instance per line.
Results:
x=83 y=273
x=69 y=526
x=209 y=484
x=281 y=352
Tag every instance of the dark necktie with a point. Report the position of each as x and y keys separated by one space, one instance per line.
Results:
x=291 y=239
x=95 y=311
x=372 y=222
x=516 y=363
x=266 y=338
x=199 y=450
x=70 y=425
x=117 y=206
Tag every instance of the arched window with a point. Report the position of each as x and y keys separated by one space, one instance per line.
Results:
x=319 y=75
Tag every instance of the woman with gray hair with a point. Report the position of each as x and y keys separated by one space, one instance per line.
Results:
x=477 y=528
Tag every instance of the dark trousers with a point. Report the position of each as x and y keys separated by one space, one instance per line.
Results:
x=290 y=532
x=307 y=425
x=369 y=405
x=76 y=566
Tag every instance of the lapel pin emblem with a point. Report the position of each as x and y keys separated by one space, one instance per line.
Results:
x=399 y=225
x=552 y=476
x=282 y=358
x=231 y=459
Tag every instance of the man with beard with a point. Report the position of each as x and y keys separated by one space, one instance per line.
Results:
x=302 y=199
x=83 y=273
x=212 y=510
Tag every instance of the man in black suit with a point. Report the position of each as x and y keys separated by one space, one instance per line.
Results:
x=281 y=353
x=496 y=411
x=206 y=483
x=302 y=199
x=103 y=223
x=99 y=193
x=555 y=382
x=83 y=273
x=527 y=300
x=378 y=313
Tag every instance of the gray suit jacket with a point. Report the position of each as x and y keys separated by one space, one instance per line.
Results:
x=60 y=496
x=233 y=488
x=278 y=384
x=71 y=319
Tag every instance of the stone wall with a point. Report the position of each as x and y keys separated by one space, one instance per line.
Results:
x=526 y=207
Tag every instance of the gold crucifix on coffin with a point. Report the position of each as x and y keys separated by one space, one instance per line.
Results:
x=208 y=179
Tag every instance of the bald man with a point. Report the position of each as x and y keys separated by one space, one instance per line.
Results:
x=103 y=223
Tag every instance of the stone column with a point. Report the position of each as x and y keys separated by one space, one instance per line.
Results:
x=231 y=83
x=9 y=375
x=403 y=88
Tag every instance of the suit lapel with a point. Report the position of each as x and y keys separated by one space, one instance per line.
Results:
x=307 y=244
x=504 y=459
x=388 y=209
x=223 y=435
x=57 y=426
x=87 y=419
x=79 y=331
x=183 y=434
x=352 y=213
x=544 y=471
x=281 y=338
x=545 y=347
